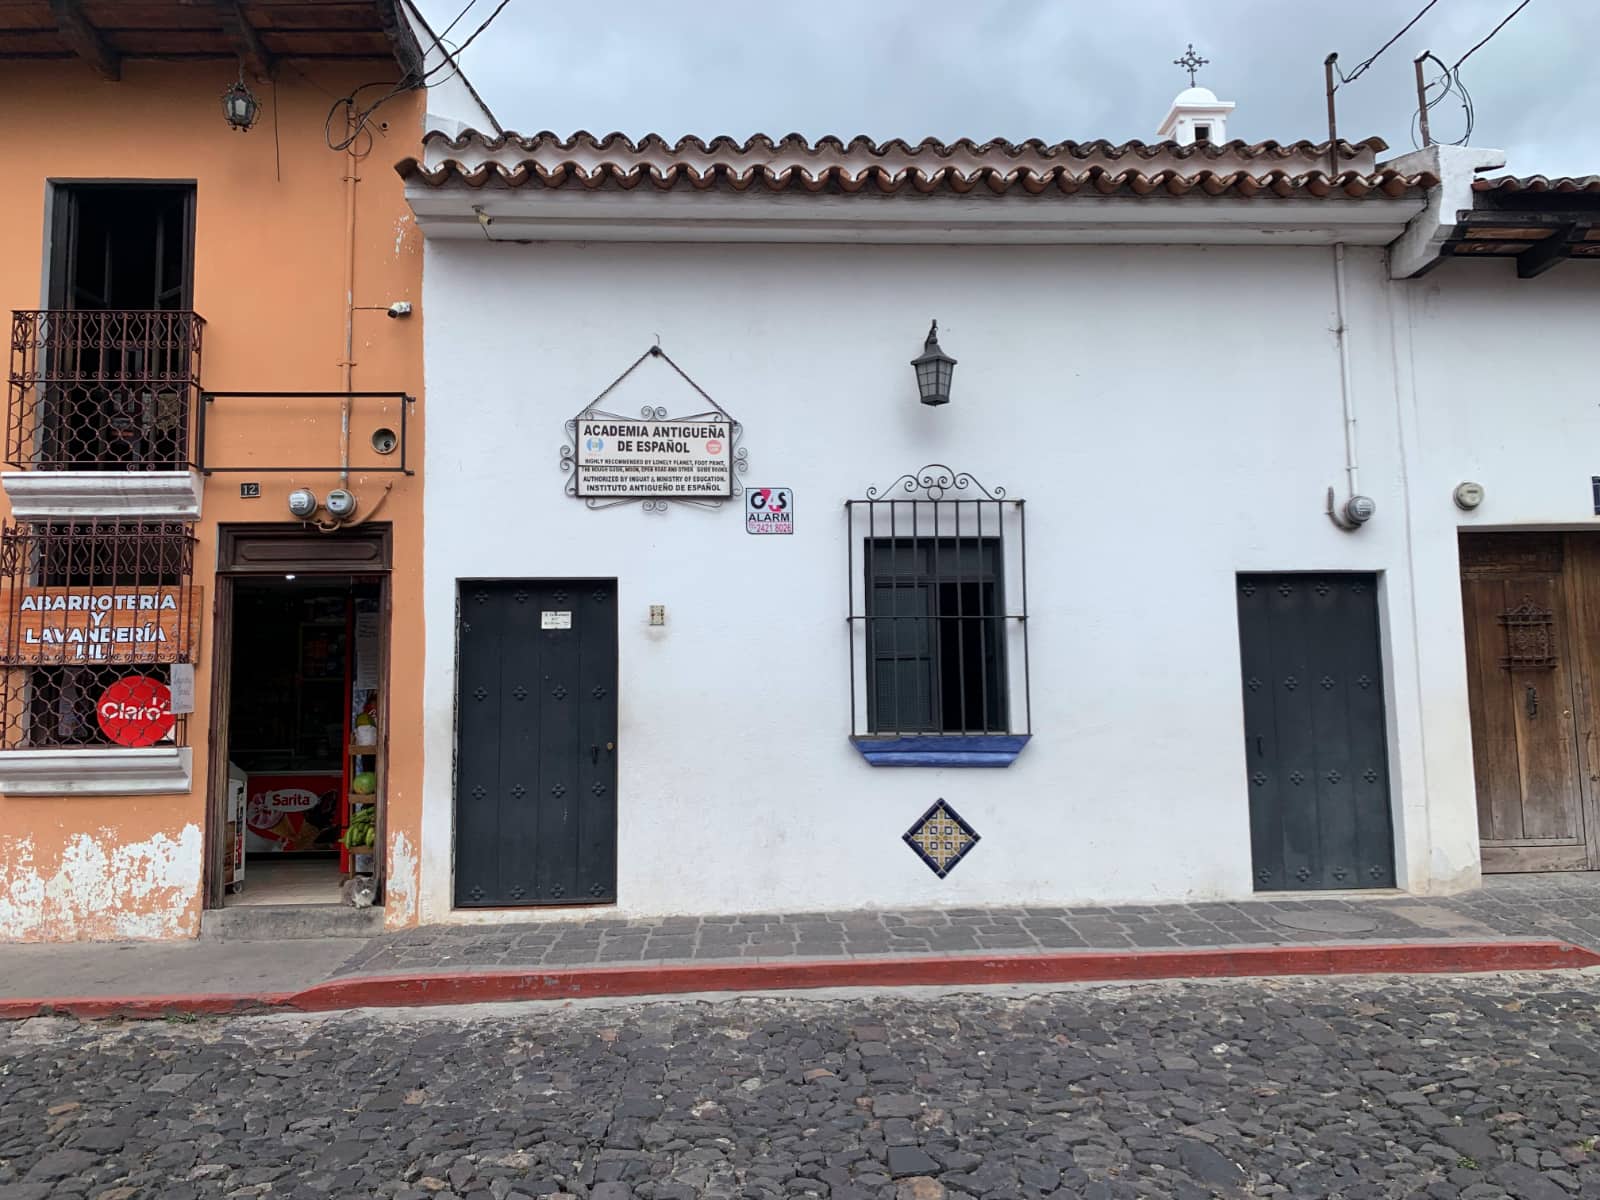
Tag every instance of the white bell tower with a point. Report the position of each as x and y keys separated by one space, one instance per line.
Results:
x=1196 y=114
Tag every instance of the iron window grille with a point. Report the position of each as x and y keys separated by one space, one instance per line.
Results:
x=103 y=389
x=135 y=613
x=938 y=609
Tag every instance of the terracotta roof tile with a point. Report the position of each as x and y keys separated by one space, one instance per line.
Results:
x=1539 y=183
x=994 y=147
x=833 y=166
x=837 y=180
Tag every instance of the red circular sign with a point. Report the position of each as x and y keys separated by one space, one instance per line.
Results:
x=135 y=711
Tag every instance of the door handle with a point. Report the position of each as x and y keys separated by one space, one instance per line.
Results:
x=1260 y=752
x=594 y=755
x=1532 y=697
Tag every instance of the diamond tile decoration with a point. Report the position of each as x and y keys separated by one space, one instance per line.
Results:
x=1370 y=775
x=1247 y=589
x=599 y=693
x=1334 y=777
x=1364 y=682
x=518 y=792
x=1296 y=778
x=480 y=694
x=941 y=838
x=1322 y=588
x=559 y=691
x=517 y=892
x=1285 y=589
x=598 y=788
x=1253 y=684
x=1259 y=778
x=1327 y=682
x=521 y=597
x=1291 y=683
x=597 y=889
x=520 y=692
x=558 y=790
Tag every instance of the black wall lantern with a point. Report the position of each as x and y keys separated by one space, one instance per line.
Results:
x=240 y=106
x=934 y=368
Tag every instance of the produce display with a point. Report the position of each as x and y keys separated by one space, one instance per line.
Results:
x=362 y=828
x=364 y=783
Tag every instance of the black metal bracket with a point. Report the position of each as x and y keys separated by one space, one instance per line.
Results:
x=407 y=401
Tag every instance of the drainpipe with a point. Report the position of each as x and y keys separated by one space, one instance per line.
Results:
x=1357 y=509
x=350 y=181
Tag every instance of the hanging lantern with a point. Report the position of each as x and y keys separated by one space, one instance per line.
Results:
x=240 y=106
x=934 y=368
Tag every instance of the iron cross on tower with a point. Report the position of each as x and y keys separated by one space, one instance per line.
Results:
x=1190 y=62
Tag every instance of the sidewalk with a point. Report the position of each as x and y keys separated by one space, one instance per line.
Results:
x=1514 y=922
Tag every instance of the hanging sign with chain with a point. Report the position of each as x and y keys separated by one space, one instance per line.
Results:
x=653 y=458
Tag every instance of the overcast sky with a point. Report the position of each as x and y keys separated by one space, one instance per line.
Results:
x=1053 y=69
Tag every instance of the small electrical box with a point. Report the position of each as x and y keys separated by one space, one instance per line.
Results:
x=658 y=614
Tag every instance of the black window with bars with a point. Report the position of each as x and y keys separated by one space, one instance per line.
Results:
x=938 y=609
x=48 y=698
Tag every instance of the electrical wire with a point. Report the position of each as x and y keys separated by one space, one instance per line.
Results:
x=356 y=121
x=1362 y=67
x=1491 y=34
x=1449 y=83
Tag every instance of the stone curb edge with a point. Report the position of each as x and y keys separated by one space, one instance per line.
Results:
x=1086 y=966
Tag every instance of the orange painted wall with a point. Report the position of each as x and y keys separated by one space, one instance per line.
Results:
x=269 y=281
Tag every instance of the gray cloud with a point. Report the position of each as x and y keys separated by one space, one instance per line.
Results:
x=1052 y=69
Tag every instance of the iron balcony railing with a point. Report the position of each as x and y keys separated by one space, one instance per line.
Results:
x=103 y=389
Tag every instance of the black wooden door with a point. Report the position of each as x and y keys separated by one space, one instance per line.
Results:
x=536 y=731
x=1315 y=737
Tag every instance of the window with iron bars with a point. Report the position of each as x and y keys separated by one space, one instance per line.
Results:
x=938 y=610
x=86 y=604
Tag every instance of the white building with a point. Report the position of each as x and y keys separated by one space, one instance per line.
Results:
x=1118 y=620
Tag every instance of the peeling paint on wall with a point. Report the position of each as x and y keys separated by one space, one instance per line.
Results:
x=400 y=899
x=101 y=888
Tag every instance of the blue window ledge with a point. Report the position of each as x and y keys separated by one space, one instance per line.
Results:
x=943 y=750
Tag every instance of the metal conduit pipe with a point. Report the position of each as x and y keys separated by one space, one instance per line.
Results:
x=350 y=181
x=1357 y=509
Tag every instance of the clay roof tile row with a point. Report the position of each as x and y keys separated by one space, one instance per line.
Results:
x=994 y=147
x=839 y=179
x=1511 y=184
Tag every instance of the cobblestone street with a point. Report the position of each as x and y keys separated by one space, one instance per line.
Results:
x=1434 y=1087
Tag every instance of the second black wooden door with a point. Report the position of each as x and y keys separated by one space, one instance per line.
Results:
x=1315 y=733
x=536 y=731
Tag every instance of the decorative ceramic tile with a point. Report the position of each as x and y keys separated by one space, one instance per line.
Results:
x=941 y=838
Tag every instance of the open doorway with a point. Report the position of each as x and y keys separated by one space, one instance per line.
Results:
x=304 y=759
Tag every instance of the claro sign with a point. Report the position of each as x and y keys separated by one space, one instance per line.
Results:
x=99 y=625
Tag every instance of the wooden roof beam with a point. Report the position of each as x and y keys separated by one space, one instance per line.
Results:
x=85 y=40
x=1542 y=255
x=256 y=58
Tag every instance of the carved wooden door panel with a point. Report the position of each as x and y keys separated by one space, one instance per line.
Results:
x=1526 y=723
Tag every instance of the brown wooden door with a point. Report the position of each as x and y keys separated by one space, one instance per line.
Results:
x=1529 y=670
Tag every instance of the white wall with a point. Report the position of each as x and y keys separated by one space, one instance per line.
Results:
x=1498 y=389
x=1171 y=415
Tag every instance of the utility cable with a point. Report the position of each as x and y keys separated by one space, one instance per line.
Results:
x=1491 y=34
x=1361 y=68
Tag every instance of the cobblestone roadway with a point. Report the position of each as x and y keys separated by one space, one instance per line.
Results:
x=1476 y=1087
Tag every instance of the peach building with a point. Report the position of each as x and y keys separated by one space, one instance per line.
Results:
x=210 y=562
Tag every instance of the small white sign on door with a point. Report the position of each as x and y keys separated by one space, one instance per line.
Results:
x=555 y=620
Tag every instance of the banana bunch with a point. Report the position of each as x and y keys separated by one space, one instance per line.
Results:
x=362 y=828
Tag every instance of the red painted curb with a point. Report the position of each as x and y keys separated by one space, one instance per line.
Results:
x=1085 y=966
